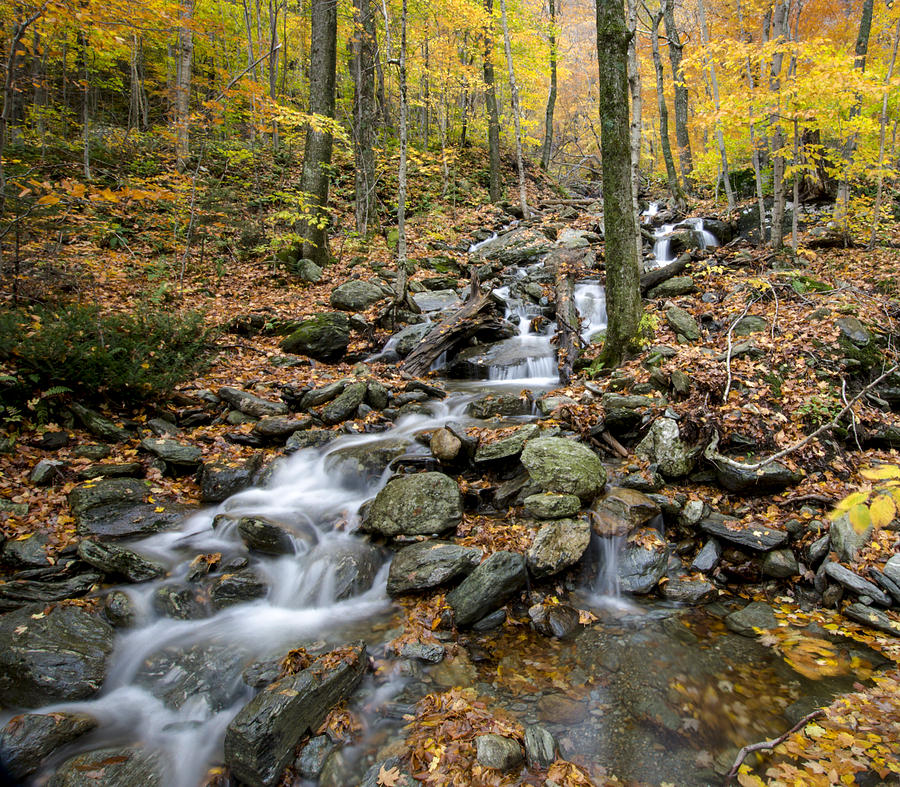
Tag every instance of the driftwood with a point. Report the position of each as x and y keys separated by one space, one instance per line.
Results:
x=576 y=201
x=568 y=338
x=650 y=279
x=449 y=332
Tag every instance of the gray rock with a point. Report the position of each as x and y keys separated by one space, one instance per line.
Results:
x=307 y=271
x=260 y=740
x=250 y=404
x=692 y=513
x=429 y=564
x=771 y=478
x=117 y=470
x=364 y=462
x=344 y=406
x=324 y=337
x=408 y=339
x=29 y=551
x=489 y=586
x=515 y=246
x=621 y=511
x=119 y=562
x=321 y=395
x=756 y=615
x=873 y=618
x=854 y=330
x=177 y=456
x=560 y=465
x=114 y=490
x=437 y=300
x=557 y=546
x=52 y=656
x=664 y=447
x=445 y=446
x=643 y=563
x=780 y=563
x=313 y=755
x=219 y=481
x=749 y=324
x=491 y=405
x=420 y=504
x=311 y=438
x=689 y=591
x=856 y=584
x=47 y=472
x=892 y=569
x=548 y=404
x=119 y=609
x=846 y=540
x=615 y=401
x=260 y=535
x=356 y=295
x=496 y=751
x=377 y=396
x=94 y=452
x=27 y=739
x=540 y=746
x=885 y=583
x=549 y=505
x=555 y=620
x=755 y=536
x=339 y=569
x=279 y=427
x=817 y=551
x=99 y=425
x=237 y=588
x=682 y=323
x=179 y=602
x=672 y=288
x=15 y=593
x=432 y=652
x=128 y=520
x=708 y=557
x=123 y=767
x=507 y=447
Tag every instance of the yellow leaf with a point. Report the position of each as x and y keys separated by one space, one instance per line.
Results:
x=882 y=511
x=814 y=730
x=880 y=473
x=860 y=518
x=750 y=780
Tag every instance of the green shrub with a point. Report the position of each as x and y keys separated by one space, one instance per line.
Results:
x=142 y=354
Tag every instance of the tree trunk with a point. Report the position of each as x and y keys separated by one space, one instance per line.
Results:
x=757 y=164
x=671 y=175
x=402 y=272
x=876 y=217
x=622 y=269
x=780 y=29
x=85 y=106
x=317 y=152
x=490 y=99
x=568 y=334
x=273 y=62
x=362 y=66
x=183 y=85
x=551 y=98
x=514 y=98
x=637 y=104
x=682 y=137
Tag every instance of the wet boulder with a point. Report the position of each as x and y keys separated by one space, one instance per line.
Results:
x=219 y=481
x=119 y=562
x=250 y=404
x=498 y=752
x=15 y=593
x=621 y=511
x=550 y=505
x=408 y=339
x=752 y=535
x=236 y=588
x=260 y=740
x=340 y=568
x=260 y=535
x=769 y=479
x=179 y=459
x=643 y=562
x=685 y=590
x=420 y=504
x=27 y=739
x=564 y=466
x=491 y=405
x=179 y=602
x=122 y=766
x=277 y=428
x=356 y=295
x=429 y=564
x=856 y=584
x=28 y=551
x=345 y=404
x=846 y=540
x=664 y=447
x=52 y=656
x=507 y=446
x=554 y=620
x=324 y=337
x=557 y=546
x=540 y=746
x=755 y=616
x=115 y=508
x=488 y=587
x=366 y=461
x=445 y=446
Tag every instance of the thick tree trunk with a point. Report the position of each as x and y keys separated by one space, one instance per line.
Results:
x=551 y=98
x=490 y=98
x=317 y=152
x=183 y=85
x=514 y=98
x=622 y=268
x=757 y=164
x=637 y=108
x=671 y=175
x=682 y=137
x=362 y=67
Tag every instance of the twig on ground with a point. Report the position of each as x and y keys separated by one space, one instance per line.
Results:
x=742 y=754
x=728 y=357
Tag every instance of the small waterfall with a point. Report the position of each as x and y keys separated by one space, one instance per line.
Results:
x=606 y=583
x=476 y=246
x=707 y=239
x=652 y=210
x=662 y=248
x=590 y=300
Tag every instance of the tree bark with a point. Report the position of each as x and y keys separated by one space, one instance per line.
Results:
x=567 y=321
x=780 y=29
x=490 y=98
x=876 y=217
x=183 y=85
x=514 y=98
x=682 y=136
x=362 y=66
x=622 y=268
x=671 y=175
x=314 y=180
x=551 y=98
x=757 y=164
x=637 y=106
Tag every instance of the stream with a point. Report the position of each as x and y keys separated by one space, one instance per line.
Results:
x=650 y=691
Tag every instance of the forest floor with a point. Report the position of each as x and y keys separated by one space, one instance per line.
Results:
x=796 y=380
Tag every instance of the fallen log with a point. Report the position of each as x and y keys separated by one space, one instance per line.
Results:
x=574 y=201
x=568 y=334
x=650 y=279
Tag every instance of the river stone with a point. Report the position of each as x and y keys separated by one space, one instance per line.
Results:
x=554 y=620
x=708 y=557
x=487 y=587
x=324 y=337
x=437 y=300
x=548 y=404
x=681 y=322
x=119 y=609
x=250 y=404
x=279 y=427
x=560 y=465
x=771 y=478
x=178 y=602
x=873 y=618
x=846 y=540
x=179 y=457
x=549 y=505
x=560 y=709
x=47 y=472
x=355 y=295
x=27 y=739
x=52 y=656
x=540 y=746
x=313 y=755
x=412 y=505
x=15 y=593
x=321 y=395
x=409 y=338
x=307 y=271
x=496 y=751
x=672 y=288
x=119 y=562
x=780 y=563
x=509 y=446
x=643 y=563
x=749 y=324
x=754 y=535
x=756 y=615
x=260 y=740
x=259 y=535
x=344 y=405
x=491 y=405
x=856 y=584
x=122 y=767
x=689 y=591
x=99 y=425
x=219 y=480
x=854 y=330
x=620 y=511
x=429 y=564
x=892 y=569
x=236 y=588
x=664 y=447
x=339 y=569
x=366 y=461
x=445 y=445
x=117 y=470
x=111 y=490
x=310 y=438
x=557 y=546
x=515 y=246
x=28 y=551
